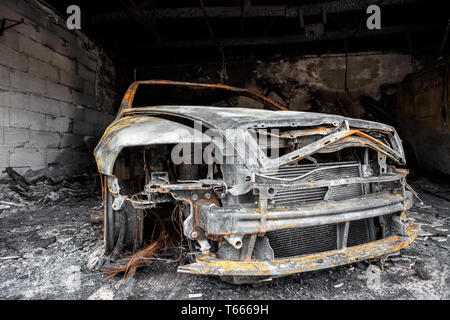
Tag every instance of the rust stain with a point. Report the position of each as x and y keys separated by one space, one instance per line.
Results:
x=328 y=259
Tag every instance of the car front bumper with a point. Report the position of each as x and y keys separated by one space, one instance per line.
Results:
x=232 y=221
x=209 y=265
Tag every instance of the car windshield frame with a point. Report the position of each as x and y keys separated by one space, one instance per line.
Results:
x=127 y=101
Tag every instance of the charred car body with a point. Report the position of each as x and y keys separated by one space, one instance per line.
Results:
x=272 y=192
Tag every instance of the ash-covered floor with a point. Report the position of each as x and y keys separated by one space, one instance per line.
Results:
x=46 y=243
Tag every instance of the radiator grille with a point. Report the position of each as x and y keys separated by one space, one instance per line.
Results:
x=299 y=196
x=346 y=191
x=311 y=173
x=299 y=241
x=358 y=233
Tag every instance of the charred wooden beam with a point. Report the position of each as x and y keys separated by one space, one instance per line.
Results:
x=251 y=11
x=24 y=183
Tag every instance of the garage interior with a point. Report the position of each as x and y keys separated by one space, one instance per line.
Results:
x=61 y=88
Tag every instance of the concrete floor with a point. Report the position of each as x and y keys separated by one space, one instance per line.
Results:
x=44 y=253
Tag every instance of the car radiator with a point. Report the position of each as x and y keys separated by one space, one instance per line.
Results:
x=311 y=173
x=298 y=241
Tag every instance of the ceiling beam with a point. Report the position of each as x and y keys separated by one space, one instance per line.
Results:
x=293 y=39
x=251 y=11
x=134 y=13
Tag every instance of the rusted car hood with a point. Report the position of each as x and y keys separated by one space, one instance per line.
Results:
x=155 y=125
x=225 y=118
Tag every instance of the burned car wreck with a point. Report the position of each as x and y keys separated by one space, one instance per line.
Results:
x=263 y=193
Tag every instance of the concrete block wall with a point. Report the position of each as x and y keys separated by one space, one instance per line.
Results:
x=57 y=92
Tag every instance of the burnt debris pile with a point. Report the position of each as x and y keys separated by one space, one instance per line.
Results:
x=43 y=190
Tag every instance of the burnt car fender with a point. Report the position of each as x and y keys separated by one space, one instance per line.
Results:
x=139 y=131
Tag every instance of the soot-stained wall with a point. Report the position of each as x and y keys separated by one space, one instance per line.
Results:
x=308 y=83
x=57 y=92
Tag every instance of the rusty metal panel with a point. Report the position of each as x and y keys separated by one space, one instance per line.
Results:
x=209 y=265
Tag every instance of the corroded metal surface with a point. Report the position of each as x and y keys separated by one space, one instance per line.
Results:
x=222 y=119
x=241 y=203
x=129 y=96
x=228 y=221
x=140 y=130
x=209 y=265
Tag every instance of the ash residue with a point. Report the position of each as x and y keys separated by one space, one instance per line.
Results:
x=44 y=252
